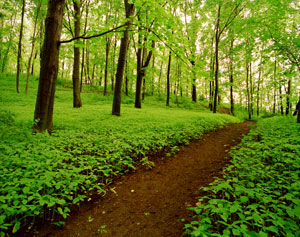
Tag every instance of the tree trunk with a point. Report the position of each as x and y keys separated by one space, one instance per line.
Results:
x=231 y=78
x=258 y=93
x=251 y=89
x=194 y=93
x=32 y=45
x=113 y=63
x=217 y=38
x=76 y=64
x=139 y=76
x=141 y=72
x=107 y=48
x=248 y=91
x=116 y=109
x=168 y=79
x=274 y=96
x=43 y=114
x=20 y=48
x=287 y=110
x=281 y=102
x=84 y=32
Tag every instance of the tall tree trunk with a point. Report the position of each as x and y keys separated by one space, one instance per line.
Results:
x=116 y=109
x=194 y=92
x=274 y=96
x=43 y=114
x=251 y=89
x=142 y=64
x=76 y=64
x=113 y=63
x=84 y=32
x=281 y=102
x=20 y=48
x=248 y=91
x=107 y=48
x=159 y=78
x=139 y=77
x=258 y=92
x=217 y=39
x=168 y=79
x=32 y=45
x=287 y=110
x=231 y=78
x=153 y=75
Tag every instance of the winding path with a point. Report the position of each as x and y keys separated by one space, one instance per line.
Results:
x=154 y=202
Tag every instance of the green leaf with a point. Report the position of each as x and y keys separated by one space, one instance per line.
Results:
x=16 y=227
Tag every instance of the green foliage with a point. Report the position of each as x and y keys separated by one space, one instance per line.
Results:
x=42 y=175
x=259 y=194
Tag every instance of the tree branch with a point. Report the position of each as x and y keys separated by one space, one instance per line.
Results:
x=92 y=36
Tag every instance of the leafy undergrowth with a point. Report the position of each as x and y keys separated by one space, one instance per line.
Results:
x=41 y=176
x=259 y=194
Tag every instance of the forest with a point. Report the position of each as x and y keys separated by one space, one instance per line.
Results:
x=93 y=91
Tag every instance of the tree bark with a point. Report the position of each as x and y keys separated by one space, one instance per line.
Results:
x=217 y=38
x=116 y=109
x=274 y=96
x=43 y=114
x=258 y=92
x=20 y=48
x=231 y=78
x=248 y=91
x=76 y=64
x=287 y=110
x=141 y=72
x=194 y=92
x=168 y=79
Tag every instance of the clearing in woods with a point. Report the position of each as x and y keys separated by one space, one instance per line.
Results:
x=154 y=202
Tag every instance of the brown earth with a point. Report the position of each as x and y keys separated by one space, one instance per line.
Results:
x=154 y=202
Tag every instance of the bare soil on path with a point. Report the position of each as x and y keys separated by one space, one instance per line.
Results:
x=154 y=202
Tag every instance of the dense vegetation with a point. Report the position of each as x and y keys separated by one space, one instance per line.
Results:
x=259 y=194
x=42 y=175
x=173 y=58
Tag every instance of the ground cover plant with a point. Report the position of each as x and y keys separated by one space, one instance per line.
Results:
x=41 y=176
x=259 y=194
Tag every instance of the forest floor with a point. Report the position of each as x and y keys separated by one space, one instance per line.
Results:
x=154 y=202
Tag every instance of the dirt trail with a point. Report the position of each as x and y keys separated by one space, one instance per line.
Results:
x=153 y=202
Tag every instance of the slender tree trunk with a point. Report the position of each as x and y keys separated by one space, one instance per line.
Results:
x=126 y=74
x=159 y=78
x=153 y=75
x=217 y=38
x=32 y=45
x=248 y=91
x=113 y=64
x=287 y=110
x=194 y=92
x=76 y=64
x=32 y=66
x=129 y=8
x=84 y=32
x=251 y=88
x=142 y=64
x=258 y=92
x=107 y=48
x=231 y=78
x=281 y=102
x=43 y=114
x=20 y=48
x=274 y=96
x=168 y=79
